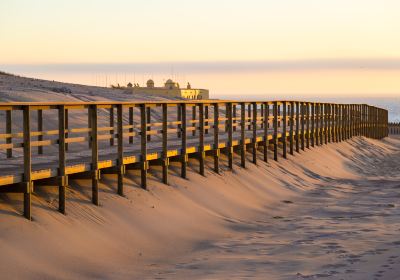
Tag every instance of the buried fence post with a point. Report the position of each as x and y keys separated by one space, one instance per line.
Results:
x=216 y=138
x=275 y=138
x=243 y=134
x=27 y=162
x=95 y=155
x=121 y=166
x=62 y=160
x=184 y=157
x=143 y=145
x=165 y=160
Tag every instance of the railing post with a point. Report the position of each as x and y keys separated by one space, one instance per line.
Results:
x=40 y=130
x=193 y=119
x=148 y=123
x=184 y=156
x=206 y=116
x=243 y=134
x=112 y=125
x=165 y=160
x=307 y=125
x=297 y=127
x=62 y=159
x=312 y=124
x=216 y=138
x=121 y=165
x=66 y=128
x=317 y=124
x=234 y=117
x=179 y=119
x=302 y=138
x=202 y=154
x=95 y=154
x=266 y=125
x=284 y=123
x=325 y=123
x=254 y=141
x=291 y=125
x=230 y=136
x=27 y=162
x=9 y=132
x=143 y=144
x=130 y=125
x=275 y=137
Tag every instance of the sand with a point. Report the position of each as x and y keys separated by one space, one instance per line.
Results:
x=330 y=213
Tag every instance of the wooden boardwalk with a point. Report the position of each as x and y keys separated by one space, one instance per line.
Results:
x=394 y=128
x=88 y=139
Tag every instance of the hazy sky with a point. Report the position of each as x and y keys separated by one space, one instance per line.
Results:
x=317 y=45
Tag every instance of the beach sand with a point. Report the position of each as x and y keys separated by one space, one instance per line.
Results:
x=329 y=213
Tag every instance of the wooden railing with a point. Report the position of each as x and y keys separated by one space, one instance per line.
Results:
x=47 y=143
x=394 y=128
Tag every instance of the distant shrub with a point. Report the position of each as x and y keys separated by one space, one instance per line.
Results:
x=61 y=90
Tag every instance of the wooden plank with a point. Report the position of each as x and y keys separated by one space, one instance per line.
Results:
x=254 y=139
x=216 y=138
x=131 y=124
x=111 y=122
x=297 y=127
x=62 y=159
x=243 y=134
x=275 y=136
x=183 y=135
x=307 y=134
x=9 y=131
x=165 y=143
x=201 y=139
x=95 y=154
x=27 y=161
x=148 y=122
x=120 y=140
x=40 y=129
x=266 y=124
x=291 y=128
x=302 y=122
x=228 y=107
x=284 y=130
x=143 y=144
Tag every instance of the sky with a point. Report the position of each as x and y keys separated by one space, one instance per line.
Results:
x=285 y=47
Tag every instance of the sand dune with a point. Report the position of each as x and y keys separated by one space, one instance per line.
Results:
x=330 y=213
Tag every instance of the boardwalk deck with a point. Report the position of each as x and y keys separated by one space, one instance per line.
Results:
x=90 y=138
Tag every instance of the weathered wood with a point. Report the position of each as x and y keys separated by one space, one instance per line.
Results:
x=284 y=123
x=62 y=160
x=297 y=127
x=66 y=129
x=202 y=154
x=111 y=123
x=266 y=127
x=275 y=136
x=165 y=144
x=243 y=134
x=27 y=162
x=317 y=119
x=130 y=124
x=254 y=138
x=216 y=138
x=95 y=154
x=194 y=118
x=143 y=144
x=291 y=128
x=312 y=124
x=307 y=111
x=120 y=140
x=9 y=131
x=302 y=138
x=206 y=116
x=228 y=107
x=40 y=129
x=148 y=122
x=184 y=156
